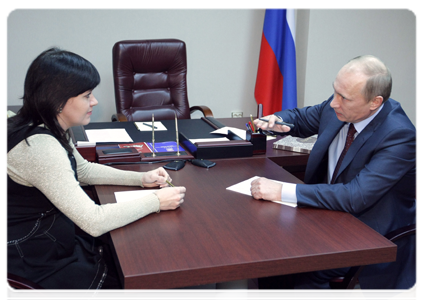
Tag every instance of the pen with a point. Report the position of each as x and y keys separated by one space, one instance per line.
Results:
x=279 y=123
x=248 y=126
x=169 y=183
x=252 y=123
x=152 y=134
x=251 y=126
x=177 y=135
x=149 y=125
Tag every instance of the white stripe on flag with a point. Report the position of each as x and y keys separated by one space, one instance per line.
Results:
x=290 y=18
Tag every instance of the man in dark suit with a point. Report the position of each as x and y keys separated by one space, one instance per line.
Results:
x=374 y=179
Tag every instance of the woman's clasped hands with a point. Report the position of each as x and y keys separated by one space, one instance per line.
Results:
x=169 y=197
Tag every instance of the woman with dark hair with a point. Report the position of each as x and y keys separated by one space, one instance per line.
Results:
x=45 y=199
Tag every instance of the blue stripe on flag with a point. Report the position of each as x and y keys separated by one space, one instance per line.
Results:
x=281 y=40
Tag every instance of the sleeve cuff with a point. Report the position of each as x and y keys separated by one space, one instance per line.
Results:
x=289 y=192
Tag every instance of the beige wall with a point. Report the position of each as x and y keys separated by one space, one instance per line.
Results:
x=335 y=36
x=223 y=48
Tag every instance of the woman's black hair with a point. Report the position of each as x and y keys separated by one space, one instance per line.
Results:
x=52 y=79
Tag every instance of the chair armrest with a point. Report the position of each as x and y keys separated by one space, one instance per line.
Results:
x=29 y=287
x=351 y=278
x=119 y=117
x=204 y=109
x=403 y=232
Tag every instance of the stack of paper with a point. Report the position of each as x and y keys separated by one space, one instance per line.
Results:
x=118 y=135
x=132 y=195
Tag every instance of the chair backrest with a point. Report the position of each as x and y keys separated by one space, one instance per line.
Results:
x=150 y=77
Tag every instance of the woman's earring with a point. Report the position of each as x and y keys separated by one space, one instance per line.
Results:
x=60 y=110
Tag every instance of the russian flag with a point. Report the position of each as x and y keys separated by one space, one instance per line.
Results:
x=276 y=83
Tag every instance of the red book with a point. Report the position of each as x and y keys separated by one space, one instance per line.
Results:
x=141 y=147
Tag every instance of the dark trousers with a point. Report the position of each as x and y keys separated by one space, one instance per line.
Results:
x=111 y=288
x=112 y=280
x=303 y=286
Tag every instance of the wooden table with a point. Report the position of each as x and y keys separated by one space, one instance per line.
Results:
x=219 y=235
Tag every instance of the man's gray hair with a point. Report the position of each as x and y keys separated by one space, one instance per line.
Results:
x=379 y=82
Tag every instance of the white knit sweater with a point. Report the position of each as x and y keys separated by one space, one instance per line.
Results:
x=44 y=164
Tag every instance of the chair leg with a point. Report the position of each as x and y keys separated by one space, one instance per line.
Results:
x=349 y=281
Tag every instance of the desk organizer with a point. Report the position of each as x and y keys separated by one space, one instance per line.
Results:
x=183 y=155
x=259 y=141
x=88 y=153
x=226 y=149
x=77 y=133
x=117 y=155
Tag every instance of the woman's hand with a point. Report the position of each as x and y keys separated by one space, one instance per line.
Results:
x=171 y=197
x=266 y=189
x=155 y=178
x=271 y=125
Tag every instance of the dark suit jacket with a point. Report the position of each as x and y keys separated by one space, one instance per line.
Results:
x=376 y=181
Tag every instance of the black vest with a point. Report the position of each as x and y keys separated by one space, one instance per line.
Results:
x=41 y=242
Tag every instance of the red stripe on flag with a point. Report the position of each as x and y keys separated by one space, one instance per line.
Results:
x=269 y=82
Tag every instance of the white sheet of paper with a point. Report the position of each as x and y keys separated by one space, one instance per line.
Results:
x=85 y=144
x=224 y=130
x=223 y=139
x=132 y=195
x=244 y=188
x=239 y=132
x=269 y=137
x=142 y=127
x=116 y=135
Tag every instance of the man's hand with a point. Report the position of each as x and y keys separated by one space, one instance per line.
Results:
x=271 y=124
x=263 y=188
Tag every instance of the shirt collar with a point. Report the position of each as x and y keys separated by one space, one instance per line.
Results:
x=359 y=126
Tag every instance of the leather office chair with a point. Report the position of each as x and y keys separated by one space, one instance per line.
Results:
x=18 y=282
x=150 y=77
x=351 y=278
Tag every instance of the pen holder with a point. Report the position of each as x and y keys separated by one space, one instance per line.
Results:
x=259 y=141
